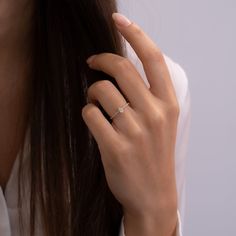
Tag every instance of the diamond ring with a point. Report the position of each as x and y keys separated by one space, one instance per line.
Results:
x=120 y=110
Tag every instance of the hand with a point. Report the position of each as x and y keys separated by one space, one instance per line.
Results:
x=137 y=148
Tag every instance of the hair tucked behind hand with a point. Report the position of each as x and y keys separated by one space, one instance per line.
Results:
x=68 y=184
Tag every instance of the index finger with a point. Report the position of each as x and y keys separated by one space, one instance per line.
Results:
x=150 y=55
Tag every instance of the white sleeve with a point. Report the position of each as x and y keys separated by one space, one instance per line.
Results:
x=181 y=85
x=122 y=231
x=183 y=129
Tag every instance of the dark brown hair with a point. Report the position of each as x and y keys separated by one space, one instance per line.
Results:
x=67 y=176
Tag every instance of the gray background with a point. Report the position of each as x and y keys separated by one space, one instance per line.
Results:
x=200 y=35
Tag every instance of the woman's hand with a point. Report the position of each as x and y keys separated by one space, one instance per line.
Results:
x=138 y=147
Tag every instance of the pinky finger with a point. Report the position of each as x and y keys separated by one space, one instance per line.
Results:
x=99 y=126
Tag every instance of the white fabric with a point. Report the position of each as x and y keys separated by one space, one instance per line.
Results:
x=9 y=224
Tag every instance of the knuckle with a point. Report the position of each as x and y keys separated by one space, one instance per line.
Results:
x=88 y=111
x=154 y=55
x=156 y=120
x=123 y=64
x=99 y=86
x=173 y=109
x=103 y=84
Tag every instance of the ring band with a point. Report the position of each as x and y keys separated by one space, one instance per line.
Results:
x=120 y=110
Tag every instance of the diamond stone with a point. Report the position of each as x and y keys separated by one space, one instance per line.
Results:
x=120 y=109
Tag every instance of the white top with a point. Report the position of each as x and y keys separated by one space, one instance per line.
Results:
x=9 y=225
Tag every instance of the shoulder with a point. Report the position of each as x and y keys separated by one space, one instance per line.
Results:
x=177 y=73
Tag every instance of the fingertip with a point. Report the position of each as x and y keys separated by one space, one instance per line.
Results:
x=120 y=19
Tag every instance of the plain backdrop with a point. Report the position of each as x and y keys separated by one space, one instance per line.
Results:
x=201 y=35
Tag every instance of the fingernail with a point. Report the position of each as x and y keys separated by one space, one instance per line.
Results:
x=90 y=59
x=121 y=20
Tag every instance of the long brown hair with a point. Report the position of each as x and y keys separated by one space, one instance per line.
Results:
x=67 y=176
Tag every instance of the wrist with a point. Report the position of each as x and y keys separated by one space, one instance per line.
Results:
x=146 y=225
x=160 y=220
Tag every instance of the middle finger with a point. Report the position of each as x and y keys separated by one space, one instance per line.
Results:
x=126 y=76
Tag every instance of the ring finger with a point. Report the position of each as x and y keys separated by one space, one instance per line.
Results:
x=109 y=97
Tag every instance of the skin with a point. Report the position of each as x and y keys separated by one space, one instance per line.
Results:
x=137 y=148
x=15 y=19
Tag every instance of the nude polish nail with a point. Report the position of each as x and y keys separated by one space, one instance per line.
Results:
x=121 y=20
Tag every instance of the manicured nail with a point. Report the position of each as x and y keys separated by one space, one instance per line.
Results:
x=121 y=20
x=90 y=59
